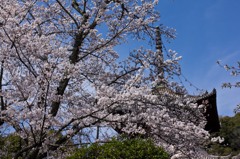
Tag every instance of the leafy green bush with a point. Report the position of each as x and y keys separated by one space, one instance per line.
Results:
x=218 y=149
x=123 y=149
x=230 y=131
x=9 y=145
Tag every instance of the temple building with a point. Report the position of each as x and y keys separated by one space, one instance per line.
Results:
x=162 y=88
x=209 y=100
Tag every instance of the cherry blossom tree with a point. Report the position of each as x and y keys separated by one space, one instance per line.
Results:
x=235 y=72
x=59 y=75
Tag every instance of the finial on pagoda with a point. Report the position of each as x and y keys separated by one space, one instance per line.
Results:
x=159 y=59
x=158 y=41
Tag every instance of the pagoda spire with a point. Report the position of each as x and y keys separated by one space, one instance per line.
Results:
x=159 y=59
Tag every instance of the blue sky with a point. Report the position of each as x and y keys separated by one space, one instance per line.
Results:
x=207 y=31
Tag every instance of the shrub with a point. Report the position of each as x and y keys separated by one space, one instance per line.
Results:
x=121 y=149
x=230 y=131
x=9 y=145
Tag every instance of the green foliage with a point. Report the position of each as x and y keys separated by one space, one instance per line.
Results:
x=230 y=131
x=218 y=149
x=12 y=143
x=9 y=145
x=123 y=149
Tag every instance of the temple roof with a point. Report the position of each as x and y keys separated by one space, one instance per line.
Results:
x=201 y=97
x=170 y=93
